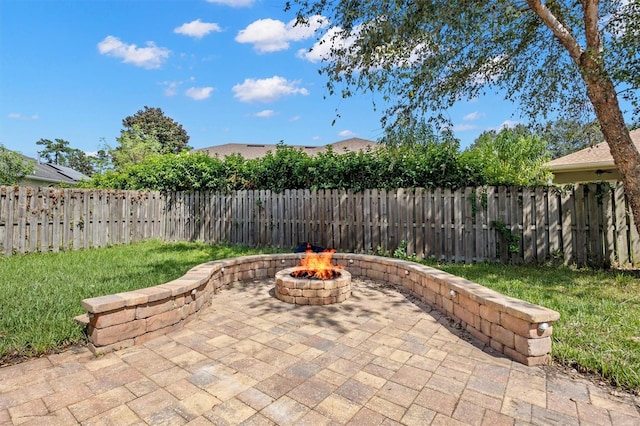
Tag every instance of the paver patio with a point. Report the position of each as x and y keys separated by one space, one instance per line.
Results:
x=378 y=358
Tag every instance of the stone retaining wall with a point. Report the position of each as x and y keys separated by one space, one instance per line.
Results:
x=520 y=330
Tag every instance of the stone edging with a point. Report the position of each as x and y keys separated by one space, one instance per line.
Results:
x=518 y=329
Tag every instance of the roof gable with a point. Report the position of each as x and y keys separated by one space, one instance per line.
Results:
x=596 y=156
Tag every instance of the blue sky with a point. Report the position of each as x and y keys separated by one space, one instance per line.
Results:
x=227 y=70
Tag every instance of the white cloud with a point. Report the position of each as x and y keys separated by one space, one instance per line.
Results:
x=295 y=118
x=267 y=90
x=199 y=93
x=464 y=127
x=197 y=28
x=271 y=35
x=336 y=40
x=170 y=87
x=489 y=71
x=233 y=3
x=346 y=133
x=149 y=57
x=18 y=116
x=321 y=50
x=316 y=138
x=616 y=23
x=266 y=113
x=507 y=124
x=473 y=116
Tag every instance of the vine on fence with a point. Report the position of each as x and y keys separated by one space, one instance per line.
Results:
x=513 y=240
x=473 y=199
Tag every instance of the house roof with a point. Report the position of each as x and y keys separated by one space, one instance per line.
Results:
x=53 y=173
x=251 y=151
x=593 y=157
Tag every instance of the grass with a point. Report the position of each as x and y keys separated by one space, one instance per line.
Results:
x=40 y=293
x=599 y=328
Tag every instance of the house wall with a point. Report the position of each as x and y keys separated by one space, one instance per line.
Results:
x=590 y=175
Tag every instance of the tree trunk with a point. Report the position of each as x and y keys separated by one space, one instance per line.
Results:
x=626 y=157
x=601 y=93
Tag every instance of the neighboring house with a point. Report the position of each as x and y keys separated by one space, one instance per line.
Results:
x=591 y=164
x=52 y=175
x=251 y=151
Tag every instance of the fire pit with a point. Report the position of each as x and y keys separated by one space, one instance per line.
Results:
x=316 y=281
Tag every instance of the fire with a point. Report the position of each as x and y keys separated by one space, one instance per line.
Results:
x=317 y=265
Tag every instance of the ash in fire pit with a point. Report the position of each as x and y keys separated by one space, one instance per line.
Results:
x=310 y=275
x=316 y=281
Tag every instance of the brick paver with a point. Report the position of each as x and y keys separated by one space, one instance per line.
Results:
x=378 y=358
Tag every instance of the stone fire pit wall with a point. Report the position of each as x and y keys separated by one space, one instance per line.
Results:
x=510 y=326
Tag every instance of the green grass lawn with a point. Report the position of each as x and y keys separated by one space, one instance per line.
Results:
x=41 y=293
x=599 y=329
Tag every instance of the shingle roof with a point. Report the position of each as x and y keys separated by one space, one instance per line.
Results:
x=595 y=156
x=53 y=173
x=251 y=151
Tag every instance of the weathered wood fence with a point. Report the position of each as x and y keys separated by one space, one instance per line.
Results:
x=52 y=219
x=582 y=225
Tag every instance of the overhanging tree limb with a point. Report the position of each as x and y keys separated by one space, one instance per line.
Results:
x=554 y=56
x=562 y=33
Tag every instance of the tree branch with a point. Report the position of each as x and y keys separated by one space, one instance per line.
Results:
x=590 y=8
x=562 y=33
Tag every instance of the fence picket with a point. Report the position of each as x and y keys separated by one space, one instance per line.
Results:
x=43 y=207
x=33 y=218
x=580 y=200
x=528 y=225
x=475 y=212
x=458 y=225
x=568 y=219
x=595 y=224
x=419 y=223
x=553 y=218
x=491 y=216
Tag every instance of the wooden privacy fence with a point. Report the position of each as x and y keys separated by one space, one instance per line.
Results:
x=582 y=225
x=52 y=219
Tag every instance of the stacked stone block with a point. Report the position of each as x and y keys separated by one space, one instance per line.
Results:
x=520 y=330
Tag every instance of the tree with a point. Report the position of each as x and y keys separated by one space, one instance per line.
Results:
x=511 y=157
x=60 y=152
x=418 y=156
x=151 y=123
x=565 y=136
x=566 y=57
x=101 y=161
x=134 y=145
x=79 y=161
x=13 y=166
x=54 y=151
x=416 y=133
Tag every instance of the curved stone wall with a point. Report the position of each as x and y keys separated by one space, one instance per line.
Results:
x=520 y=330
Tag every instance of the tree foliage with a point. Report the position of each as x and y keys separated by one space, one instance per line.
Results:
x=511 y=157
x=134 y=145
x=566 y=57
x=13 y=167
x=53 y=151
x=151 y=124
x=433 y=164
x=60 y=152
x=565 y=136
x=78 y=160
x=423 y=56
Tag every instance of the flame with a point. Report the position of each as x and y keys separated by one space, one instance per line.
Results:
x=317 y=265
